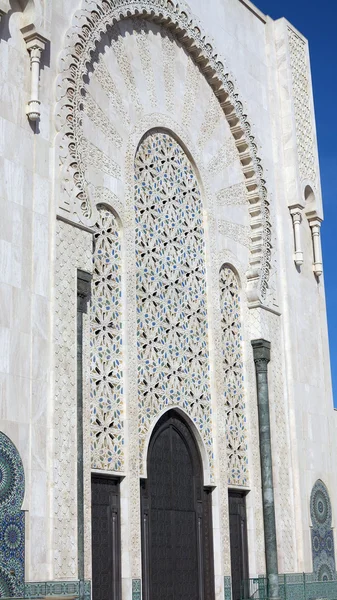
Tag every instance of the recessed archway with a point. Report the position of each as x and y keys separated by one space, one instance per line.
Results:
x=177 y=522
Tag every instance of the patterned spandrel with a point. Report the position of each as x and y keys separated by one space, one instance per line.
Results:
x=173 y=360
x=107 y=428
x=235 y=407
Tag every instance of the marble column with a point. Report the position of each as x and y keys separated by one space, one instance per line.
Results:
x=83 y=297
x=261 y=351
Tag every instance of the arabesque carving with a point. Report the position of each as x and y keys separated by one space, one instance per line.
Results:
x=89 y=24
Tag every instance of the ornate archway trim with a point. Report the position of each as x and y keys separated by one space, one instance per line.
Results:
x=88 y=25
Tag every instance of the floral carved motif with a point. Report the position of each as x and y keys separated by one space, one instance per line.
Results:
x=302 y=104
x=107 y=427
x=173 y=359
x=89 y=25
x=233 y=379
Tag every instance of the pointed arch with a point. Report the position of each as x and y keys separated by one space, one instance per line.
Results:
x=92 y=22
x=172 y=322
x=176 y=515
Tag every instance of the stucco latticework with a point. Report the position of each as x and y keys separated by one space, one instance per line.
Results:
x=75 y=107
x=107 y=414
x=173 y=358
x=302 y=104
x=234 y=399
x=74 y=251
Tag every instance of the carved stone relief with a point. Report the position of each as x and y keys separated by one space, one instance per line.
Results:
x=83 y=162
x=173 y=358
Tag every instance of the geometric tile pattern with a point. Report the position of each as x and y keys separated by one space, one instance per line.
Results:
x=136 y=589
x=12 y=520
x=322 y=542
x=236 y=435
x=79 y=588
x=107 y=419
x=172 y=329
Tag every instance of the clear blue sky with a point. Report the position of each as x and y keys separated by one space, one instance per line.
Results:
x=317 y=21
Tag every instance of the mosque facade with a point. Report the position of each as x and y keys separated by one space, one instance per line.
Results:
x=167 y=429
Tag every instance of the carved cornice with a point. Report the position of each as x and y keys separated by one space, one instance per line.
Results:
x=89 y=24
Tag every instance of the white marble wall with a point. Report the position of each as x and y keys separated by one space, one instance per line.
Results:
x=257 y=55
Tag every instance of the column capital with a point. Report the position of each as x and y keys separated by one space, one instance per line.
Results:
x=34 y=39
x=295 y=209
x=261 y=351
x=314 y=219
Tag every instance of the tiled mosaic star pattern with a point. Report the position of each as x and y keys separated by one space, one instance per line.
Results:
x=235 y=407
x=173 y=360
x=107 y=428
x=322 y=542
x=12 y=520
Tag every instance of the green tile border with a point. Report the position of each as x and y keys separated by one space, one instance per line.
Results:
x=136 y=589
x=80 y=589
x=227 y=588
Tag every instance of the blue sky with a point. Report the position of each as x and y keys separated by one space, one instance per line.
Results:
x=318 y=22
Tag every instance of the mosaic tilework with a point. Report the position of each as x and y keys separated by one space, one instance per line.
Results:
x=12 y=520
x=41 y=589
x=107 y=427
x=227 y=588
x=136 y=589
x=173 y=360
x=233 y=379
x=322 y=542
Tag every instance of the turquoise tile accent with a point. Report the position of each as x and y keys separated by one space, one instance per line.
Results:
x=227 y=588
x=12 y=520
x=136 y=589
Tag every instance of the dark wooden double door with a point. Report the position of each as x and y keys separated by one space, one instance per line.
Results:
x=176 y=518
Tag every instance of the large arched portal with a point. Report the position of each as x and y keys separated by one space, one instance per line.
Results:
x=176 y=517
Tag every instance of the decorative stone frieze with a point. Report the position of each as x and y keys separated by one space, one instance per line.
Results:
x=303 y=107
x=89 y=25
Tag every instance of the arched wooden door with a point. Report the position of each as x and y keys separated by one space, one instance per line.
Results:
x=176 y=517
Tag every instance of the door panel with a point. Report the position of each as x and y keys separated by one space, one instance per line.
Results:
x=173 y=515
x=239 y=544
x=106 y=574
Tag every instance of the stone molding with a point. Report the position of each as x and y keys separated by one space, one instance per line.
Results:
x=89 y=24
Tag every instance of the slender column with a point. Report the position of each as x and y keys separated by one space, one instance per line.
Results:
x=36 y=43
x=296 y=214
x=315 y=225
x=261 y=350
x=83 y=297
